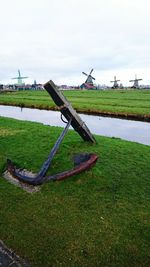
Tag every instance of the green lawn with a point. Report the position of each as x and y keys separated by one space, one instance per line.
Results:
x=97 y=218
x=118 y=102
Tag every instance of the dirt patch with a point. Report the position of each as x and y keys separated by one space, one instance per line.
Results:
x=6 y=132
x=28 y=188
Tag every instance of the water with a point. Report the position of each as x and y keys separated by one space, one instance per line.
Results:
x=136 y=131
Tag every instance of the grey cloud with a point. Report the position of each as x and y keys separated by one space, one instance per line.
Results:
x=62 y=38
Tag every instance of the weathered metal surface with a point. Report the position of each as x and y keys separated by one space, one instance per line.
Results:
x=68 y=112
x=83 y=166
x=38 y=179
x=86 y=161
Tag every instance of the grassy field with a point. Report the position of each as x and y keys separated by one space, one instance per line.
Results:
x=98 y=218
x=135 y=103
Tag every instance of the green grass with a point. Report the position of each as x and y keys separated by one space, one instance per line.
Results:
x=97 y=218
x=123 y=102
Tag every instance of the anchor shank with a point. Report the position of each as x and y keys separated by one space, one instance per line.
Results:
x=46 y=164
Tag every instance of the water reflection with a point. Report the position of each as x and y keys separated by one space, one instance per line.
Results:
x=126 y=129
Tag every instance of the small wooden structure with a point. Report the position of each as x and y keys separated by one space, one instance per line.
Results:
x=88 y=84
x=115 y=85
x=135 y=82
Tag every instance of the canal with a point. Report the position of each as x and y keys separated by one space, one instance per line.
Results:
x=130 y=130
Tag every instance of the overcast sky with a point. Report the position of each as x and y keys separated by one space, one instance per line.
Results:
x=58 y=39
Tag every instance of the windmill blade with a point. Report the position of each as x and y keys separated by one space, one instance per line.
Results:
x=91 y=71
x=132 y=81
x=20 y=77
x=92 y=77
x=85 y=73
x=139 y=79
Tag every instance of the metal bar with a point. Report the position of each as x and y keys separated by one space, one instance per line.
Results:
x=69 y=112
x=75 y=121
x=87 y=164
x=39 y=178
x=46 y=164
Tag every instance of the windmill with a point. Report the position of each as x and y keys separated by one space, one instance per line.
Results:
x=115 y=85
x=88 y=84
x=136 y=82
x=1 y=86
x=19 y=78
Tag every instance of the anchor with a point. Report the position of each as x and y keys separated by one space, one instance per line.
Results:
x=82 y=162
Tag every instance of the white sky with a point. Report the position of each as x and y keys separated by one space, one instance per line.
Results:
x=58 y=39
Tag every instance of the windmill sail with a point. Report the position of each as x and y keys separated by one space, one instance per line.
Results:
x=19 y=78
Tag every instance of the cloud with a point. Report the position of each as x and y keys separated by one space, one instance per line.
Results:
x=60 y=39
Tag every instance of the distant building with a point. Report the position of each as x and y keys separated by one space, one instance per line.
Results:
x=103 y=87
x=144 y=86
x=88 y=84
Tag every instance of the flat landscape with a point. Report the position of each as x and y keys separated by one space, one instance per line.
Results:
x=96 y=52
x=96 y=218
x=124 y=103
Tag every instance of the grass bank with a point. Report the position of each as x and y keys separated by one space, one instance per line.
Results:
x=97 y=218
x=123 y=103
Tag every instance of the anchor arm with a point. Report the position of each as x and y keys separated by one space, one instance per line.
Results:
x=38 y=179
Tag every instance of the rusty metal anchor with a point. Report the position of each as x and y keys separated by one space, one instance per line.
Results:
x=82 y=162
x=38 y=179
